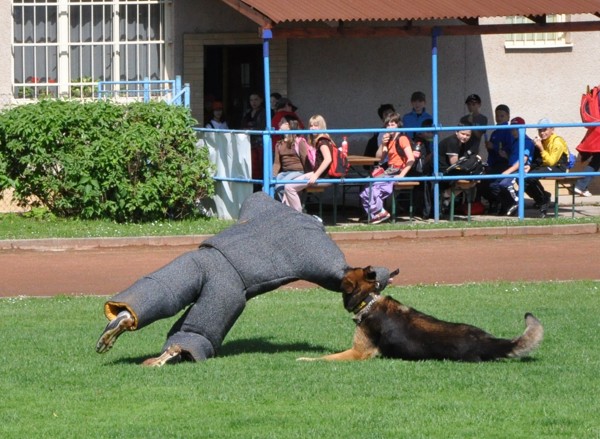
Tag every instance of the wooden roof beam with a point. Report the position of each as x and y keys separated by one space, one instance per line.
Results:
x=539 y=19
x=251 y=13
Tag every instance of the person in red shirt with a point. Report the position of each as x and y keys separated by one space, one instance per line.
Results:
x=284 y=108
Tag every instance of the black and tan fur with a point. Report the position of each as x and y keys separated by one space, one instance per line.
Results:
x=387 y=328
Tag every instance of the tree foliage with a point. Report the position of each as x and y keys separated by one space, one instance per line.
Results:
x=136 y=162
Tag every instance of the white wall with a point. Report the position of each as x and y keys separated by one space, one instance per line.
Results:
x=5 y=53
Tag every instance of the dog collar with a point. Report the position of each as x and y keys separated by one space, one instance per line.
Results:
x=364 y=307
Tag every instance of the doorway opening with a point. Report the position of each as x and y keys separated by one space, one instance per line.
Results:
x=231 y=74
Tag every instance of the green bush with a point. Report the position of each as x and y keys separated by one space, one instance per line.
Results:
x=95 y=160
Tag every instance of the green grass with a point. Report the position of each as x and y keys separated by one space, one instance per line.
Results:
x=54 y=385
x=18 y=226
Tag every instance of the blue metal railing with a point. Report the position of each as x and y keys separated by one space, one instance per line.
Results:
x=436 y=178
x=171 y=91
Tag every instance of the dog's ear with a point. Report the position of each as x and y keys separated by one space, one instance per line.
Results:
x=369 y=273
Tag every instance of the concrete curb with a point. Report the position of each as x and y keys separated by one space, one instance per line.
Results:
x=190 y=240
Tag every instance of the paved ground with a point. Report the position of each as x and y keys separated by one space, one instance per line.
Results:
x=448 y=256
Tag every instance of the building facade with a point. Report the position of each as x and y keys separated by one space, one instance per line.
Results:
x=62 y=47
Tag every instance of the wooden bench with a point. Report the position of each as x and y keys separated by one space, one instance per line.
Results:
x=466 y=186
x=404 y=186
x=567 y=183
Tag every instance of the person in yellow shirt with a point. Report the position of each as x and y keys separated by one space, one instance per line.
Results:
x=552 y=155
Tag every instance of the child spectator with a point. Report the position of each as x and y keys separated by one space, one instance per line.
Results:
x=320 y=146
x=475 y=118
x=218 y=120
x=396 y=150
x=415 y=118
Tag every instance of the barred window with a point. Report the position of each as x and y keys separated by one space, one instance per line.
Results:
x=541 y=40
x=63 y=47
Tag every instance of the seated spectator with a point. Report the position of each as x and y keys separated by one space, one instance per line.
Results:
x=553 y=157
x=475 y=118
x=320 y=146
x=375 y=140
x=396 y=151
x=498 y=149
x=218 y=119
x=415 y=117
x=503 y=189
x=450 y=150
x=284 y=108
x=291 y=156
x=423 y=153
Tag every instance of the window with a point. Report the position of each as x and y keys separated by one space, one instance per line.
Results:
x=63 y=47
x=542 y=40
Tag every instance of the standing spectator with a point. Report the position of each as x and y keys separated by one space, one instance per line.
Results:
x=218 y=119
x=396 y=150
x=553 y=157
x=475 y=118
x=415 y=117
x=255 y=119
x=321 y=147
x=274 y=98
x=284 y=108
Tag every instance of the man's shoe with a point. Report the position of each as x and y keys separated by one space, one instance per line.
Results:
x=543 y=210
x=123 y=322
x=512 y=209
x=380 y=217
x=513 y=193
x=172 y=354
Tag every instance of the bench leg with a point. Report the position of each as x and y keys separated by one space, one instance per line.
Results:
x=556 y=189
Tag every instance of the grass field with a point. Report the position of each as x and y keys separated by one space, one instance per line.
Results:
x=54 y=385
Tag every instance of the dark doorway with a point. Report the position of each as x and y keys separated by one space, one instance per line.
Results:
x=231 y=73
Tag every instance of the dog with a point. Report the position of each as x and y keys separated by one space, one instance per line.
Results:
x=387 y=328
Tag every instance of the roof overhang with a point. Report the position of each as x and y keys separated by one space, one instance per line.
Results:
x=380 y=18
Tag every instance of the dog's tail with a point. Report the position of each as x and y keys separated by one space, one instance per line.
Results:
x=530 y=340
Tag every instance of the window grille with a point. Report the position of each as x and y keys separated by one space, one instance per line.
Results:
x=64 y=47
x=542 y=40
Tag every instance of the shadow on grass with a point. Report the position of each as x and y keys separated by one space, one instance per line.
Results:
x=239 y=347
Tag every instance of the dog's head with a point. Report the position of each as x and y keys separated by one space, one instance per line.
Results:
x=358 y=283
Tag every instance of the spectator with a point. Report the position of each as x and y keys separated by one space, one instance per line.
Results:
x=418 y=114
x=255 y=119
x=376 y=139
x=423 y=195
x=321 y=145
x=218 y=120
x=284 y=108
x=553 y=157
x=582 y=185
x=270 y=245
x=449 y=151
x=498 y=150
x=475 y=118
x=274 y=98
x=396 y=151
x=291 y=156
x=503 y=189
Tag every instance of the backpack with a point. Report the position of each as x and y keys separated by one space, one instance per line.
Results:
x=338 y=168
x=471 y=164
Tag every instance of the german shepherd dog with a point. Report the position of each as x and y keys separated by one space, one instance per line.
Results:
x=388 y=328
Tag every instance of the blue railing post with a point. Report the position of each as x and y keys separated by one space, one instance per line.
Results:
x=267 y=34
x=434 y=75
